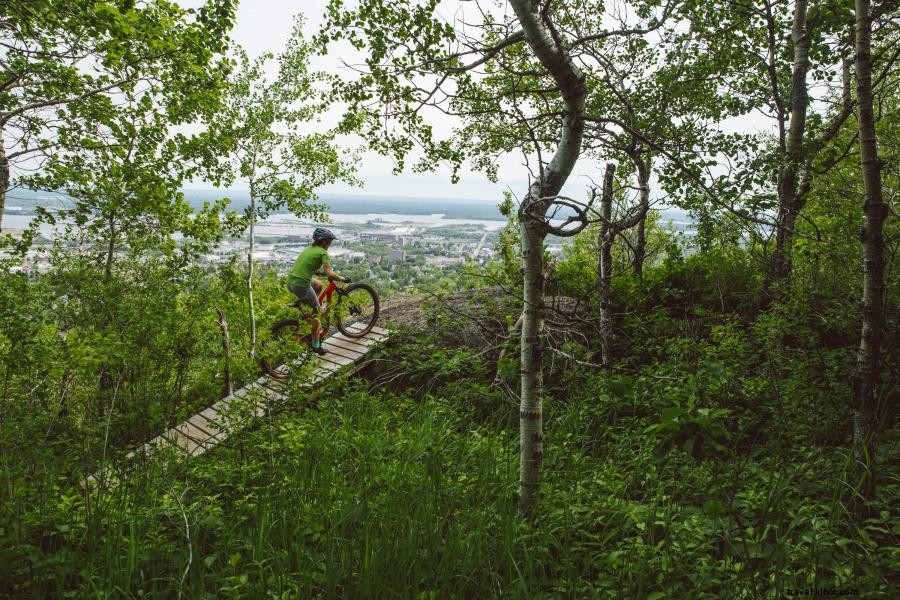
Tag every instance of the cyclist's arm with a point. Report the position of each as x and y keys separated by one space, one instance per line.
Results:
x=329 y=272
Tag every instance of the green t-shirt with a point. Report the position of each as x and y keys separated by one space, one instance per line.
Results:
x=310 y=260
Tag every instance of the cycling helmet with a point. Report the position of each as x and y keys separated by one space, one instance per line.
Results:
x=322 y=234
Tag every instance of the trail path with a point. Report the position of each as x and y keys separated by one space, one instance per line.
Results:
x=216 y=423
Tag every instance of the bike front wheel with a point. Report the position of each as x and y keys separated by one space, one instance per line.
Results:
x=284 y=347
x=356 y=310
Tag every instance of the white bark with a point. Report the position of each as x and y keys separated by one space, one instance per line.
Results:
x=865 y=384
x=4 y=178
x=790 y=202
x=604 y=267
x=228 y=388
x=250 y=269
x=642 y=163
x=532 y=215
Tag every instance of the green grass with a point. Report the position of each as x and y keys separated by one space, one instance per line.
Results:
x=406 y=495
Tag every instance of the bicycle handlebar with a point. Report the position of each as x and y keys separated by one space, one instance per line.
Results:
x=322 y=274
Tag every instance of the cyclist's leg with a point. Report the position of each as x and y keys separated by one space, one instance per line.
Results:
x=316 y=287
x=316 y=330
x=306 y=296
x=309 y=297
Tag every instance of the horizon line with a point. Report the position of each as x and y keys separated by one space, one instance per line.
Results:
x=363 y=195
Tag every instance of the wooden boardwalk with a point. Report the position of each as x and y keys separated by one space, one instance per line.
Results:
x=216 y=423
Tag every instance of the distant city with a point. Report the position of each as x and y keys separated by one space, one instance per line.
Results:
x=407 y=239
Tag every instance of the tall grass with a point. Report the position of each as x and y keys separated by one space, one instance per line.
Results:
x=413 y=495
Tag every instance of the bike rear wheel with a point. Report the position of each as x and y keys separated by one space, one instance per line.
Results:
x=356 y=310
x=287 y=343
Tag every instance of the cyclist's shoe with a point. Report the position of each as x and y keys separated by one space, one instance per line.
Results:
x=320 y=351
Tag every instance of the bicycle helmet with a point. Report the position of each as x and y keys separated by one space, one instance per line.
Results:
x=321 y=234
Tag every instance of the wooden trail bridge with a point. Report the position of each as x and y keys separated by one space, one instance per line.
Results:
x=214 y=424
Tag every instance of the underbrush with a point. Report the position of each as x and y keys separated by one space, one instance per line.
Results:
x=411 y=493
x=711 y=462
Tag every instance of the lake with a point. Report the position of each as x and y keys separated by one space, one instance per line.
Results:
x=287 y=224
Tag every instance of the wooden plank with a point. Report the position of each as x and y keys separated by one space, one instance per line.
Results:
x=226 y=415
x=271 y=390
x=380 y=331
x=221 y=407
x=321 y=366
x=360 y=345
x=344 y=348
x=278 y=391
x=316 y=370
x=214 y=427
x=255 y=401
x=194 y=432
x=322 y=372
x=179 y=442
x=272 y=383
x=375 y=328
x=333 y=348
x=376 y=331
x=208 y=429
x=374 y=337
x=214 y=416
x=339 y=361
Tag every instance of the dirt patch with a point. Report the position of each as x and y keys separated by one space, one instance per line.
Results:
x=472 y=317
x=418 y=310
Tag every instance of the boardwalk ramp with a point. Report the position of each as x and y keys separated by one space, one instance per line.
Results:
x=216 y=423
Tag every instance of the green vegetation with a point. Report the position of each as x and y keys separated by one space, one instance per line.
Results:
x=644 y=414
x=714 y=459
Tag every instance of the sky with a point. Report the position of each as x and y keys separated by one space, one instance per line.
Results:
x=265 y=25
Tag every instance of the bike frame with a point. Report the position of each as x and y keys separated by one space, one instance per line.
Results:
x=327 y=292
x=308 y=313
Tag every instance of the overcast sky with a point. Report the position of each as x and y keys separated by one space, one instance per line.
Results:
x=264 y=25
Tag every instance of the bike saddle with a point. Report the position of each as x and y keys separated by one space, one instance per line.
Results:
x=296 y=304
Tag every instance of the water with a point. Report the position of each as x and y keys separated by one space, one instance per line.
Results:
x=11 y=221
x=286 y=224
x=281 y=223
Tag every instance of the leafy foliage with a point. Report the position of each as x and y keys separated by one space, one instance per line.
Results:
x=713 y=456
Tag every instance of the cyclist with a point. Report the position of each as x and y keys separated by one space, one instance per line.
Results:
x=307 y=288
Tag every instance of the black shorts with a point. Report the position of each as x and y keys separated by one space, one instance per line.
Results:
x=306 y=295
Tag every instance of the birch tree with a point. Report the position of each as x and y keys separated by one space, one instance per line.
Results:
x=511 y=78
x=62 y=61
x=790 y=62
x=266 y=127
x=868 y=356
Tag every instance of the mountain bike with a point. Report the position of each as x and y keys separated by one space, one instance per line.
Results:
x=353 y=308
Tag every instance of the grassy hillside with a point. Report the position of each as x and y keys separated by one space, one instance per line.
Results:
x=712 y=462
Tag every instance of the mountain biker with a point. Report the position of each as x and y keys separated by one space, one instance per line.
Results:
x=307 y=288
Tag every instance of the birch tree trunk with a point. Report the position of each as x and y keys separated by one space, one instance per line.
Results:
x=228 y=388
x=4 y=178
x=250 y=268
x=865 y=383
x=642 y=162
x=531 y=435
x=604 y=266
x=111 y=247
x=789 y=201
x=532 y=215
